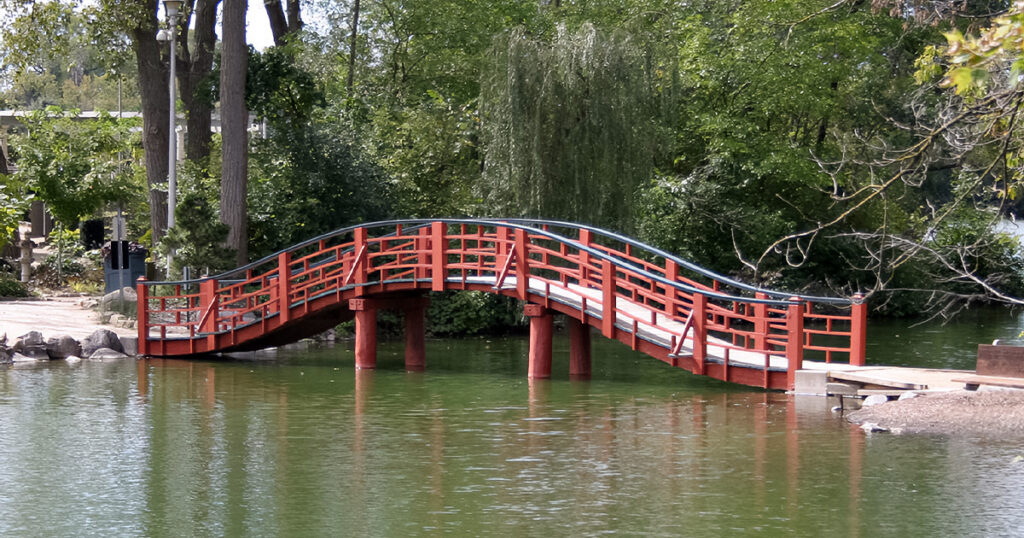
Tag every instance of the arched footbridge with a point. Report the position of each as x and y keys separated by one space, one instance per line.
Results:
x=656 y=303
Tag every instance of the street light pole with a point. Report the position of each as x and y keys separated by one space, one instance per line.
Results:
x=171 y=8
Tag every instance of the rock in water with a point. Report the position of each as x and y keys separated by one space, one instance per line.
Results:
x=107 y=353
x=871 y=426
x=31 y=346
x=908 y=395
x=874 y=399
x=32 y=338
x=100 y=339
x=63 y=347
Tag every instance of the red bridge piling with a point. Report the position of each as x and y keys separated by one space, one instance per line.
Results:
x=579 y=349
x=541 y=325
x=415 y=349
x=366 y=334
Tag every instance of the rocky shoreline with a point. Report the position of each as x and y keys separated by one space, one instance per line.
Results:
x=33 y=346
x=983 y=413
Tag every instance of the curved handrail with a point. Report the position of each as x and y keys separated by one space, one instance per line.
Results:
x=785 y=298
x=685 y=263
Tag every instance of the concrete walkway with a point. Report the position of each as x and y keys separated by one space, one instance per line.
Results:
x=52 y=317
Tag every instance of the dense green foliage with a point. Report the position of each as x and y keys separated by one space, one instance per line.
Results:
x=805 y=144
x=572 y=125
x=76 y=166
x=197 y=237
x=10 y=287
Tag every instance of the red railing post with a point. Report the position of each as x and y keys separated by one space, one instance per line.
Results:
x=360 y=260
x=208 y=305
x=858 y=331
x=142 y=315
x=522 y=264
x=422 y=254
x=795 y=340
x=700 y=331
x=209 y=308
x=439 y=259
x=584 y=263
x=284 y=285
x=671 y=293
x=760 y=323
x=608 y=305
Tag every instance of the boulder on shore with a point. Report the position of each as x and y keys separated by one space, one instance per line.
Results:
x=102 y=338
x=114 y=300
x=62 y=347
x=31 y=345
x=106 y=353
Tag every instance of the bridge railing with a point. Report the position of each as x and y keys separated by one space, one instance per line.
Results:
x=609 y=277
x=833 y=328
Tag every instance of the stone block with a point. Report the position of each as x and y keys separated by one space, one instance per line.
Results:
x=810 y=382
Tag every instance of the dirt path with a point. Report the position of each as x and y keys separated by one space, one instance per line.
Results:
x=985 y=413
x=52 y=317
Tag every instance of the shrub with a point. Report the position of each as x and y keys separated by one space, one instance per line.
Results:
x=12 y=288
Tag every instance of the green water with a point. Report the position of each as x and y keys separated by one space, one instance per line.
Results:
x=300 y=444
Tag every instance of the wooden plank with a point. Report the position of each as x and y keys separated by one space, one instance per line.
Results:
x=844 y=389
x=1011 y=382
x=1000 y=361
x=883 y=392
x=868 y=379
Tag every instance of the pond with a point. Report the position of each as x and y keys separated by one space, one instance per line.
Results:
x=300 y=443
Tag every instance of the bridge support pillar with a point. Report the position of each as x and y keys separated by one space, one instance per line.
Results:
x=415 y=347
x=366 y=334
x=579 y=349
x=541 y=328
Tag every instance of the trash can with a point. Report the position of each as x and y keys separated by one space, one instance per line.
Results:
x=91 y=233
x=123 y=261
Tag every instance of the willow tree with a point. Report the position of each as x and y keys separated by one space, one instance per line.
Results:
x=570 y=125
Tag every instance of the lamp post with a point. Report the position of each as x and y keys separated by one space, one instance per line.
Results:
x=171 y=8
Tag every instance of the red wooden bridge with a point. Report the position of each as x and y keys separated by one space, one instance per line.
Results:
x=648 y=299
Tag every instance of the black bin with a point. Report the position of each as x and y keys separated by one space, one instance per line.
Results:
x=91 y=233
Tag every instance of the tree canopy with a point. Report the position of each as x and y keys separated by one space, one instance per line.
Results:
x=827 y=146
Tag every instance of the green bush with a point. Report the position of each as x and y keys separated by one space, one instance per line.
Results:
x=467 y=313
x=12 y=288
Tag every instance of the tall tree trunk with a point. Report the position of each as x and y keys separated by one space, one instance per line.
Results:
x=155 y=127
x=294 y=19
x=278 y=22
x=280 y=26
x=352 y=48
x=196 y=65
x=234 y=121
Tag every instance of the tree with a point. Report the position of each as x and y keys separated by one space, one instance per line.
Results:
x=196 y=58
x=119 y=32
x=75 y=165
x=571 y=125
x=282 y=26
x=234 y=127
x=197 y=237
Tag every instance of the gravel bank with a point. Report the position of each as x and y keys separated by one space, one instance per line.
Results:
x=985 y=413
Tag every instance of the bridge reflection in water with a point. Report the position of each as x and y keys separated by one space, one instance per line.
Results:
x=384 y=450
x=652 y=301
